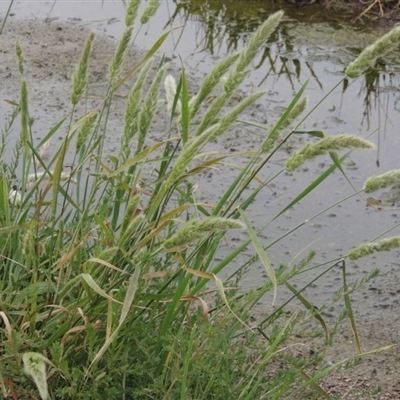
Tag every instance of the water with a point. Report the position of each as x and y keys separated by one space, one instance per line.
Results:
x=311 y=46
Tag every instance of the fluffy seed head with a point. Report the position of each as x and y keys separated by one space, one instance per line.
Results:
x=329 y=143
x=116 y=63
x=370 y=248
x=149 y=11
x=197 y=229
x=80 y=75
x=375 y=183
x=368 y=57
x=131 y=12
x=170 y=92
x=35 y=367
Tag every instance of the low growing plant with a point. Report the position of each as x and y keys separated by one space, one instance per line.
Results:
x=110 y=281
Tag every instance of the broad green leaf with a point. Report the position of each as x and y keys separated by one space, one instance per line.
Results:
x=96 y=288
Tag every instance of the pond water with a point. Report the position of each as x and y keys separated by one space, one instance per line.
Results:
x=309 y=44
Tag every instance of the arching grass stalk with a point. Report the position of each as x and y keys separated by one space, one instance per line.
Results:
x=236 y=77
x=195 y=145
x=222 y=264
x=324 y=145
x=212 y=79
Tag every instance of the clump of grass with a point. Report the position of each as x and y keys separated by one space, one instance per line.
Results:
x=102 y=284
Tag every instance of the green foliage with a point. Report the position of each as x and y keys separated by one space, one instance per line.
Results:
x=103 y=296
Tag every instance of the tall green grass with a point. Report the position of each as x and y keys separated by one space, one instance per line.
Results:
x=110 y=280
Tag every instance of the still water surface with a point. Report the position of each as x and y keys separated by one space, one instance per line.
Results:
x=309 y=44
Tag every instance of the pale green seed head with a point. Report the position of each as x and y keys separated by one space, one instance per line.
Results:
x=132 y=105
x=370 y=248
x=20 y=57
x=210 y=82
x=116 y=63
x=131 y=12
x=79 y=80
x=375 y=183
x=87 y=125
x=170 y=93
x=323 y=146
x=196 y=229
x=149 y=108
x=35 y=367
x=149 y=11
x=368 y=57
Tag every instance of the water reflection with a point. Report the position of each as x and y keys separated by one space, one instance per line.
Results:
x=298 y=50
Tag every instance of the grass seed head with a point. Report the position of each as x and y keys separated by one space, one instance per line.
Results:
x=323 y=146
x=209 y=83
x=79 y=80
x=149 y=11
x=131 y=12
x=197 y=229
x=368 y=57
x=35 y=367
x=370 y=248
x=116 y=63
x=375 y=183
x=149 y=107
x=170 y=92
x=131 y=111
x=20 y=57
x=84 y=132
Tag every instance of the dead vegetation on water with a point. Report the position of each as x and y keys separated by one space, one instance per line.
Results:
x=369 y=10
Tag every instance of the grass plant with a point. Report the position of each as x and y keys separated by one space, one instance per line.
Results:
x=110 y=278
